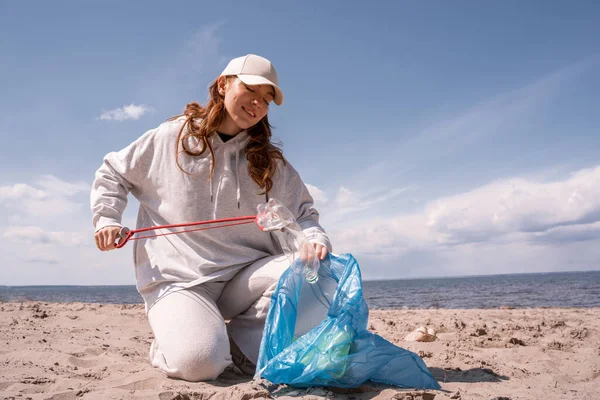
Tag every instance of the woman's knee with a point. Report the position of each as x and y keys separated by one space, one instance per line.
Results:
x=190 y=336
x=197 y=365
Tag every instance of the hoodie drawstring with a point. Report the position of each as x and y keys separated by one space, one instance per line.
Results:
x=211 y=189
x=237 y=172
x=237 y=177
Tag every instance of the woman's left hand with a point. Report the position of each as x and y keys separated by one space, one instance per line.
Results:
x=320 y=250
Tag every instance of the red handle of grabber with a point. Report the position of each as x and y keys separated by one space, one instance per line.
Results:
x=124 y=235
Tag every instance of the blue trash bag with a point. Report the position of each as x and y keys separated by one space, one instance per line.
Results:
x=316 y=335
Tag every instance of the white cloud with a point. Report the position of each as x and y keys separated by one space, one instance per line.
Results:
x=568 y=234
x=36 y=235
x=318 y=195
x=513 y=212
x=346 y=198
x=131 y=111
x=58 y=248
x=517 y=205
x=385 y=237
x=350 y=201
x=56 y=186
x=21 y=191
x=48 y=196
x=347 y=201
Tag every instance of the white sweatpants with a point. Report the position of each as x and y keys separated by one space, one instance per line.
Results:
x=190 y=334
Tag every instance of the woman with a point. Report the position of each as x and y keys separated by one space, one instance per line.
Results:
x=211 y=162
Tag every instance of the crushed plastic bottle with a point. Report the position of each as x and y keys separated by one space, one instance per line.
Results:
x=274 y=217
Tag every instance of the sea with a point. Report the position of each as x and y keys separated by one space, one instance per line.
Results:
x=555 y=289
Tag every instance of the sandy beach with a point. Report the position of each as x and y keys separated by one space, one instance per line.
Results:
x=66 y=351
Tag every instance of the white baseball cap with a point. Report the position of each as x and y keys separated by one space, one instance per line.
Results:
x=255 y=70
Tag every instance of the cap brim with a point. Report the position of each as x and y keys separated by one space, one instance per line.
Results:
x=259 y=80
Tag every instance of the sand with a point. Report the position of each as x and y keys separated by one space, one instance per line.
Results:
x=66 y=351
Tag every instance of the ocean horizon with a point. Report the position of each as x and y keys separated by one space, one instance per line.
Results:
x=521 y=290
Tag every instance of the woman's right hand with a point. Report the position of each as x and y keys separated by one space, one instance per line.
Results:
x=106 y=237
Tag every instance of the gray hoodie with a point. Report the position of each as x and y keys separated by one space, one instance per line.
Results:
x=147 y=168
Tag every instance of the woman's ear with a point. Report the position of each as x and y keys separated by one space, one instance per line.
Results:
x=222 y=85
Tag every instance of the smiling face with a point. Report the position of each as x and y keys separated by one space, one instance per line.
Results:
x=245 y=104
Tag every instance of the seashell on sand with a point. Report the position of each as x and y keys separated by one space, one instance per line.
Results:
x=421 y=334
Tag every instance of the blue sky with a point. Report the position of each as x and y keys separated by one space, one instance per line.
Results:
x=438 y=138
